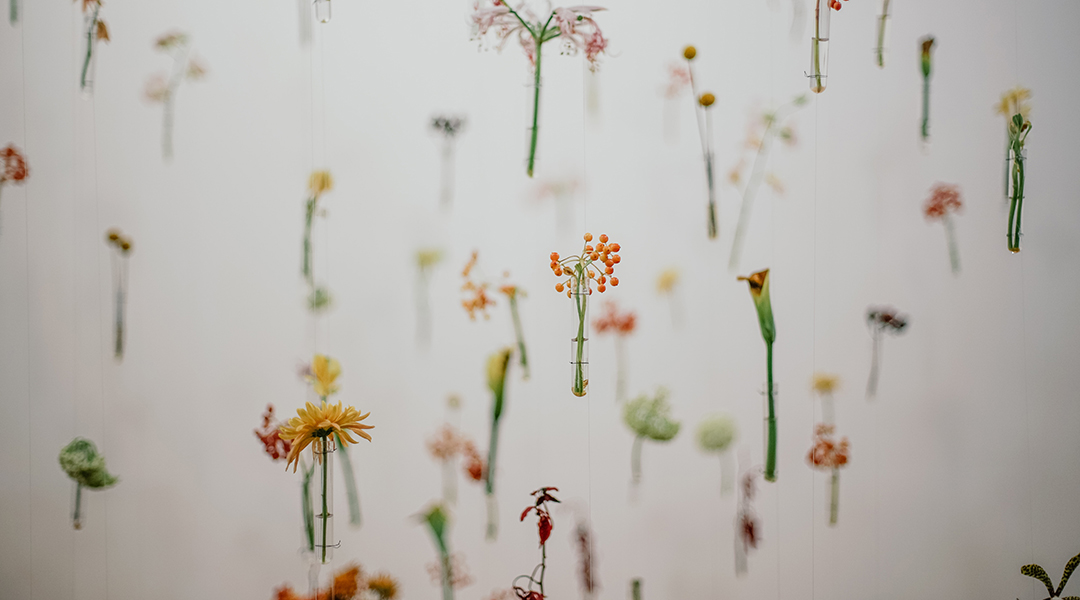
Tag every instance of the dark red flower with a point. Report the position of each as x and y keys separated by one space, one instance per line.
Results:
x=524 y=594
x=274 y=446
x=14 y=164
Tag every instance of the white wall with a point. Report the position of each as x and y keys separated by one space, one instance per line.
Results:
x=964 y=469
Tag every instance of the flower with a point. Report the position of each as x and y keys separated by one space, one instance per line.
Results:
x=478 y=300
x=157 y=89
x=622 y=323
x=885 y=319
x=14 y=165
x=678 y=79
x=101 y=31
x=825 y=383
x=706 y=99
x=428 y=257
x=346 y=583
x=748 y=527
x=927 y=45
x=269 y=435
x=667 y=280
x=579 y=267
x=384 y=585
x=717 y=432
x=474 y=466
x=459 y=572
x=170 y=40
x=759 y=291
x=446 y=444
x=447 y=125
x=322 y=374
x=319 y=182
x=944 y=199
x=81 y=461
x=315 y=424
x=650 y=417
x=689 y=52
x=575 y=26
x=496 y=370
x=1014 y=102
x=826 y=452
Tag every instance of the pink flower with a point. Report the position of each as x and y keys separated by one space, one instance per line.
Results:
x=944 y=199
x=575 y=25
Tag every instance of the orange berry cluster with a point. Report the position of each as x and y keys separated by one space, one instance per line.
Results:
x=604 y=253
x=478 y=299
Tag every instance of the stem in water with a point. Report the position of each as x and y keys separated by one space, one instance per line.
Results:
x=635 y=460
x=770 y=455
x=90 y=31
x=881 y=33
x=954 y=253
x=871 y=384
x=76 y=517
x=834 y=497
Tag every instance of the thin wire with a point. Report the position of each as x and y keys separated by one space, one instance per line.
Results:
x=26 y=236
x=813 y=354
x=74 y=272
x=585 y=225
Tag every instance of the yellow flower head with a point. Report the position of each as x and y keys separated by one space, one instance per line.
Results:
x=428 y=257
x=706 y=100
x=689 y=52
x=316 y=423
x=496 y=369
x=825 y=383
x=1014 y=102
x=667 y=280
x=322 y=374
x=384 y=586
x=319 y=182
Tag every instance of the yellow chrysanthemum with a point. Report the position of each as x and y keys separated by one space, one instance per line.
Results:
x=316 y=423
x=319 y=182
x=825 y=383
x=384 y=585
x=324 y=372
x=1014 y=101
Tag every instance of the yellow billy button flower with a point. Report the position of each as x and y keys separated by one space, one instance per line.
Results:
x=316 y=423
x=825 y=383
x=319 y=182
x=324 y=372
x=706 y=99
x=689 y=52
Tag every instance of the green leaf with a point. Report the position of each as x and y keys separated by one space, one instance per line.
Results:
x=1038 y=573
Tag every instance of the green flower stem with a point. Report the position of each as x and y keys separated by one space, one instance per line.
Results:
x=875 y=359
x=543 y=567
x=581 y=300
x=520 y=335
x=635 y=589
x=13 y=11
x=305 y=507
x=350 y=483
x=834 y=497
x=713 y=229
x=925 y=130
x=447 y=585
x=325 y=499
x=950 y=236
x=76 y=517
x=1008 y=160
x=309 y=214
x=489 y=483
x=90 y=31
x=770 y=455
x=1016 y=203
x=817 y=86
x=635 y=460
x=880 y=51
x=536 y=109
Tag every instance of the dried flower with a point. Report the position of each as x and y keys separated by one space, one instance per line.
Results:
x=944 y=199
x=14 y=165
x=1015 y=102
x=459 y=576
x=269 y=435
x=827 y=453
x=446 y=443
x=885 y=319
x=476 y=299
x=447 y=125
x=314 y=424
x=586 y=559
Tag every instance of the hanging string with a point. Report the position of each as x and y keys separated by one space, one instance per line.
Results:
x=26 y=238
x=585 y=226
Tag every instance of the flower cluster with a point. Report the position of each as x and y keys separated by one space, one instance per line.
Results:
x=117 y=240
x=579 y=269
x=322 y=374
x=575 y=25
x=825 y=383
x=827 y=453
x=14 y=165
x=477 y=300
x=622 y=323
x=269 y=435
x=747 y=526
x=449 y=443
x=944 y=199
x=349 y=583
x=447 y=125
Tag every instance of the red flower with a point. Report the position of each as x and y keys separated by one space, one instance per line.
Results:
x=274 y=446
x=528 y=594
x=14 y=164
x=944 y=199
x=622 y=323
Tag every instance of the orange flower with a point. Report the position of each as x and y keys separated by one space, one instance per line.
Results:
x=622 y=323
x=595 y=263
x=14 y=164
x=944 y=199
x=827 y=453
